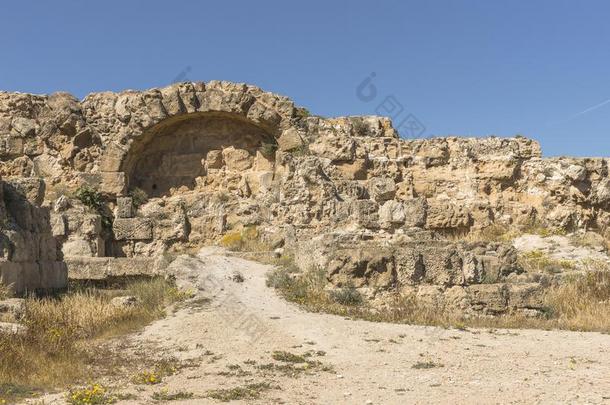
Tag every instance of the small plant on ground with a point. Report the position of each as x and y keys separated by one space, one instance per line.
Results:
x=92 y=395
x=537 y=261
x=246 y=240
x=250 y=391
x=90 y=197
x=424 y=365
x=165 y=395
x=347 y=295
x=288 y=357
x=161 y=369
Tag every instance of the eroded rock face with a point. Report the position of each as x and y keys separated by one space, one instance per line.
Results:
x=217 y=156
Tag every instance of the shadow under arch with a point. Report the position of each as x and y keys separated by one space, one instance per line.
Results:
x=173 y=153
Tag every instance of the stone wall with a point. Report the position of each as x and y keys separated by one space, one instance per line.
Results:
x=220 y=156
x=29 y=259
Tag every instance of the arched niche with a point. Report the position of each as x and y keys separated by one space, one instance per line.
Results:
x=173 y=153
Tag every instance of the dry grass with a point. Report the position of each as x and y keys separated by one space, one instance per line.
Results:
x=5 y=292
x=537 y=261
x=581 y=303
x=63 y=337
x=501 y=233
x=245 y=240
x=247 y=392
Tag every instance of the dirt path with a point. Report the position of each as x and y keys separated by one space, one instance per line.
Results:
x=233 y=335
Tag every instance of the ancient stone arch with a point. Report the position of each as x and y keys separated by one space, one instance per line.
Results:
x=157 y=139
x=174 y=153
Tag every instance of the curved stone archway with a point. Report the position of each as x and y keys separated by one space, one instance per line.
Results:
x=240 y=113
x=174 y=153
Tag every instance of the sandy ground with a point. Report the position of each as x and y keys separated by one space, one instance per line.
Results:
x=242 y=323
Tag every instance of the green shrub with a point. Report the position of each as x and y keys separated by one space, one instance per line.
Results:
x=90 y=198
x=303 y=112
x=94 y=200
x=138 y=197
x=347 y=295
x=268 y=149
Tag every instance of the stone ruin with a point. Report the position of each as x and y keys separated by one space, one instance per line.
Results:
x=346 y=194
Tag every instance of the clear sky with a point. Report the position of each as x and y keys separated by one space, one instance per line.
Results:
x=475 y=68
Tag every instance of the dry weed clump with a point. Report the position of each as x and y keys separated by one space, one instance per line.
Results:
x=62 y=340
x=581 y=302
x=246 y=240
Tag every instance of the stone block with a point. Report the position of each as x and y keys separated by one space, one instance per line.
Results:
x=237 y=159
x=113 y=183
x=443 y=266
x=289 y=139
x=132 y=229
x=443 y=215
x=410 y=267
x=58 y=225
x=77 y=247
x=365 y=213
x=381 y=189
x=101 y=268
x=488 y=298
x=356 y=170
x=124 y=207
x=527 y=295
x=213 y=159
x=391 y=213
x=415 y=212
x=11 y=146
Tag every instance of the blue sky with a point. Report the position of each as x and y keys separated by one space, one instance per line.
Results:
x=471 y=68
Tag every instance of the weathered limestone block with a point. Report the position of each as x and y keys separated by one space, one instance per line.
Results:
x=132 y=229
x=124 y=207
x=30 y=276
x=488 y=298
x=410 y=268
x=415 y=212
x=392 y=213
x=381 y=189
x=101 y=268
x=372 y=267
x=528 y=295
x=86 y=224
x=113 y=183
x=356 y=170
x=77 y=247
x=430 y=296
x=472 y=268
x=351 y=189
x=602 y=193
x=237 y=159
x=443 y=266
x=337 y=149
x=10 y=146
x=30 y=188
x=365 y=213
x=289 y=139
x=500 y=169
x=213 y=159
x=441 y=215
